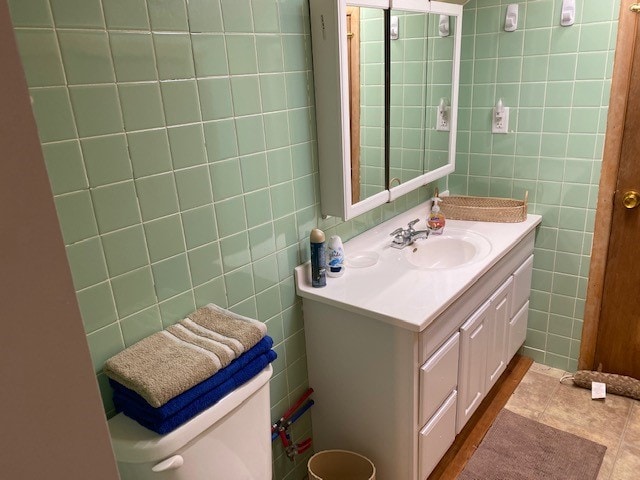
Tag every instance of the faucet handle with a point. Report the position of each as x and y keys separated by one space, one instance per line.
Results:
x=412 y=223
x=398 y=238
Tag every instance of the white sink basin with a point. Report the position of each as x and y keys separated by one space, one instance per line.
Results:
x=454 y=248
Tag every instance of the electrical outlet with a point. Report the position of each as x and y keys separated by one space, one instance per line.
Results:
x=442 y=123
x=442 y=117
x=500 y=122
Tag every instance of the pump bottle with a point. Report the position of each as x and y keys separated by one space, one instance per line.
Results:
x=436 y=220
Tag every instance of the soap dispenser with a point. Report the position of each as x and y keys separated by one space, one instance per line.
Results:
x=436 y=219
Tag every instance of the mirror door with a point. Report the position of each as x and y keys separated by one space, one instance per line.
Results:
x=409 y=95
x=378 y=102
x=366 y=60
x=424 y=94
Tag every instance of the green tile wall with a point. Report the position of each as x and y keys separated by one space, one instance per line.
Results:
x=180 y=143
x=556 y=81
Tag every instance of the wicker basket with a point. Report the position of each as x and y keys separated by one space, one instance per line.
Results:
x=485 y=209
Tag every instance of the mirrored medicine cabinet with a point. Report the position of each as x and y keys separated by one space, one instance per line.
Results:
x=386 y=84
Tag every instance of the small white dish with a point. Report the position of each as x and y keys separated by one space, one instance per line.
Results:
x=362 y=259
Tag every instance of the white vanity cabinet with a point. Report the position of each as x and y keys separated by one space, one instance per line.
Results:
x=400 y=396
x=400 y=356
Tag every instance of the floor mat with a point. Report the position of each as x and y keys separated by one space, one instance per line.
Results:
x=517 y=448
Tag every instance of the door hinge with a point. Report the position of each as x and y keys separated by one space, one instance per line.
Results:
x=635 y=8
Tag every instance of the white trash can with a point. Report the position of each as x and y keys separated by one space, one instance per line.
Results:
x=340 y=465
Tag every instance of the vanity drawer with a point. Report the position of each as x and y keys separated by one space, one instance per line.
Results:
x=521 y=285
x=437 y=436
x=517 y=330
x=439 y=377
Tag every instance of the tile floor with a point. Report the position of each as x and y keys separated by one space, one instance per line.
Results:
x=613 y=422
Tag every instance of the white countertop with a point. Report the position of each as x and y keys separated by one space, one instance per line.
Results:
x=396 y=292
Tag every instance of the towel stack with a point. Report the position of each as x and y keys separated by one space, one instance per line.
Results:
x=171 y=376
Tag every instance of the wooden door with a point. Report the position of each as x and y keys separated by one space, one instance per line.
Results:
x=353 y=52
x=611 y=335
x=618 y=346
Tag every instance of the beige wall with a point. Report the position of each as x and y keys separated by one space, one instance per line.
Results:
x=53 y=425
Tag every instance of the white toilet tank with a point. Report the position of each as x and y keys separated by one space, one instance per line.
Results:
x=229 y=441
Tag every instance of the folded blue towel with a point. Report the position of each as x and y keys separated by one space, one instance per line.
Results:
x=141 y=414
x=171 y=361
x=126 y=396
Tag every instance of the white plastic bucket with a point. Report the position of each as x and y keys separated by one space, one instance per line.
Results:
x=340 y=465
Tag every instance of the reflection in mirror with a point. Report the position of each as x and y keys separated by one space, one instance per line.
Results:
x=365 y=39
x=421 y=82
x=439 y=83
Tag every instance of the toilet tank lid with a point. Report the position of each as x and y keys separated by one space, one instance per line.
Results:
x=133 y=443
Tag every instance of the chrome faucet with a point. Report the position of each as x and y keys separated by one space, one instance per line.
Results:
x=406 y=236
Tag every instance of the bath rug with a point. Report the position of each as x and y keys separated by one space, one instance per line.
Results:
x=516 y=447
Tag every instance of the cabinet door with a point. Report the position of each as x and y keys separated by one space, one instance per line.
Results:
x=499 y=316
x=473 y=364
